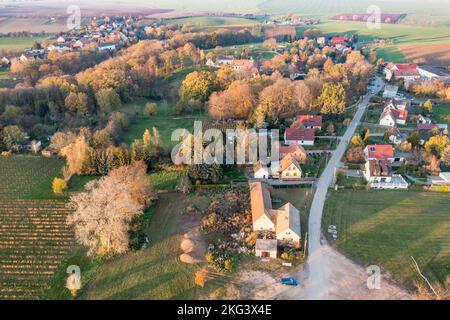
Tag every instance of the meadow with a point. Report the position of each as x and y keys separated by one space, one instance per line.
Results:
x=155 y=272
x=386 y=228
x=17 y=44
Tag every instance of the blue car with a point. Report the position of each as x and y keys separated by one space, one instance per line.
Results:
x=289 y=281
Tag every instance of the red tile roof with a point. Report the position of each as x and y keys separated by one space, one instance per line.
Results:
x=310 y=120
x=399 y=114
x=380 y=151
x=336 y=40
x=406 y=69
x=300 y=134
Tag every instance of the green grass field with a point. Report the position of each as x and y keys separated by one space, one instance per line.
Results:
x=155 y=272
x=386 y=228
x=442 y=113
x=213 y=21
x=18 y=43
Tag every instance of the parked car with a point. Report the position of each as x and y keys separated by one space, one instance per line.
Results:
x=289 y=281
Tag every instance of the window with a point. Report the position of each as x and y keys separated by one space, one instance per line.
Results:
x=372 y=149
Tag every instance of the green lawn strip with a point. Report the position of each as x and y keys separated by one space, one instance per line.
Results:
x=165 y=180
x=387 y=227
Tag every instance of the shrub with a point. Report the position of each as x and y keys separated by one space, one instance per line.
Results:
x=150 y=109
x=200 y=276
x=59 y=186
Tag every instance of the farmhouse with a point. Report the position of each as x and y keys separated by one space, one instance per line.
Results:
x=304 y=137
x=310 y=121
x=283 y=222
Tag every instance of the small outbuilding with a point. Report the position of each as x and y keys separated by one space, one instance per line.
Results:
x=266 y=248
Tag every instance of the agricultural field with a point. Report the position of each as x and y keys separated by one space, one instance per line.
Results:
x=386 y=228
x=17 y=44
x=434 y=54
x=206 y=21
x=13 y=24
x=34 y=238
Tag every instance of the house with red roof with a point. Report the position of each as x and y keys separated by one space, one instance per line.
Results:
x=391 y=117
x=304 y=137
x=402 y=71
x=338 y=40
x=310 y=121
x=379 y=152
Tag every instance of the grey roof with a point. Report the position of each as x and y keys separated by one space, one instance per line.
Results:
x=266 y=244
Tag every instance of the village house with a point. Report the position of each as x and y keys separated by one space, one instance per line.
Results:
x=310 y=121
x=304 y=137
x=288 y=226
x=402 y=71
x=396 y=104
x=290 y=168
x=380 y=152
x=420 y=119
x=334 y=41
x=283 y=222
x=296 y=150
x=392 y=117
x=379 y=174
x=261 y=205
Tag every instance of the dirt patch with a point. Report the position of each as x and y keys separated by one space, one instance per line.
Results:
x=192 y=242
x=345 y=281
x=435 y=54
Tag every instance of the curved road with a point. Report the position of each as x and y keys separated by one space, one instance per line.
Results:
x=317 y=284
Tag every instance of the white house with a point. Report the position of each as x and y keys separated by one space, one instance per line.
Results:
x=288 y=230
x=304 y=137
x=261 y=205
x=379 y=174
x=391 y=117
x=261 y=171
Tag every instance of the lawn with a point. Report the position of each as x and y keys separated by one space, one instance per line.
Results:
x=442 y=113
x=386 y=228
x=165 y=180
x=155 y=272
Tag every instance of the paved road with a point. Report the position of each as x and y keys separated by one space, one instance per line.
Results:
x=318 y=285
